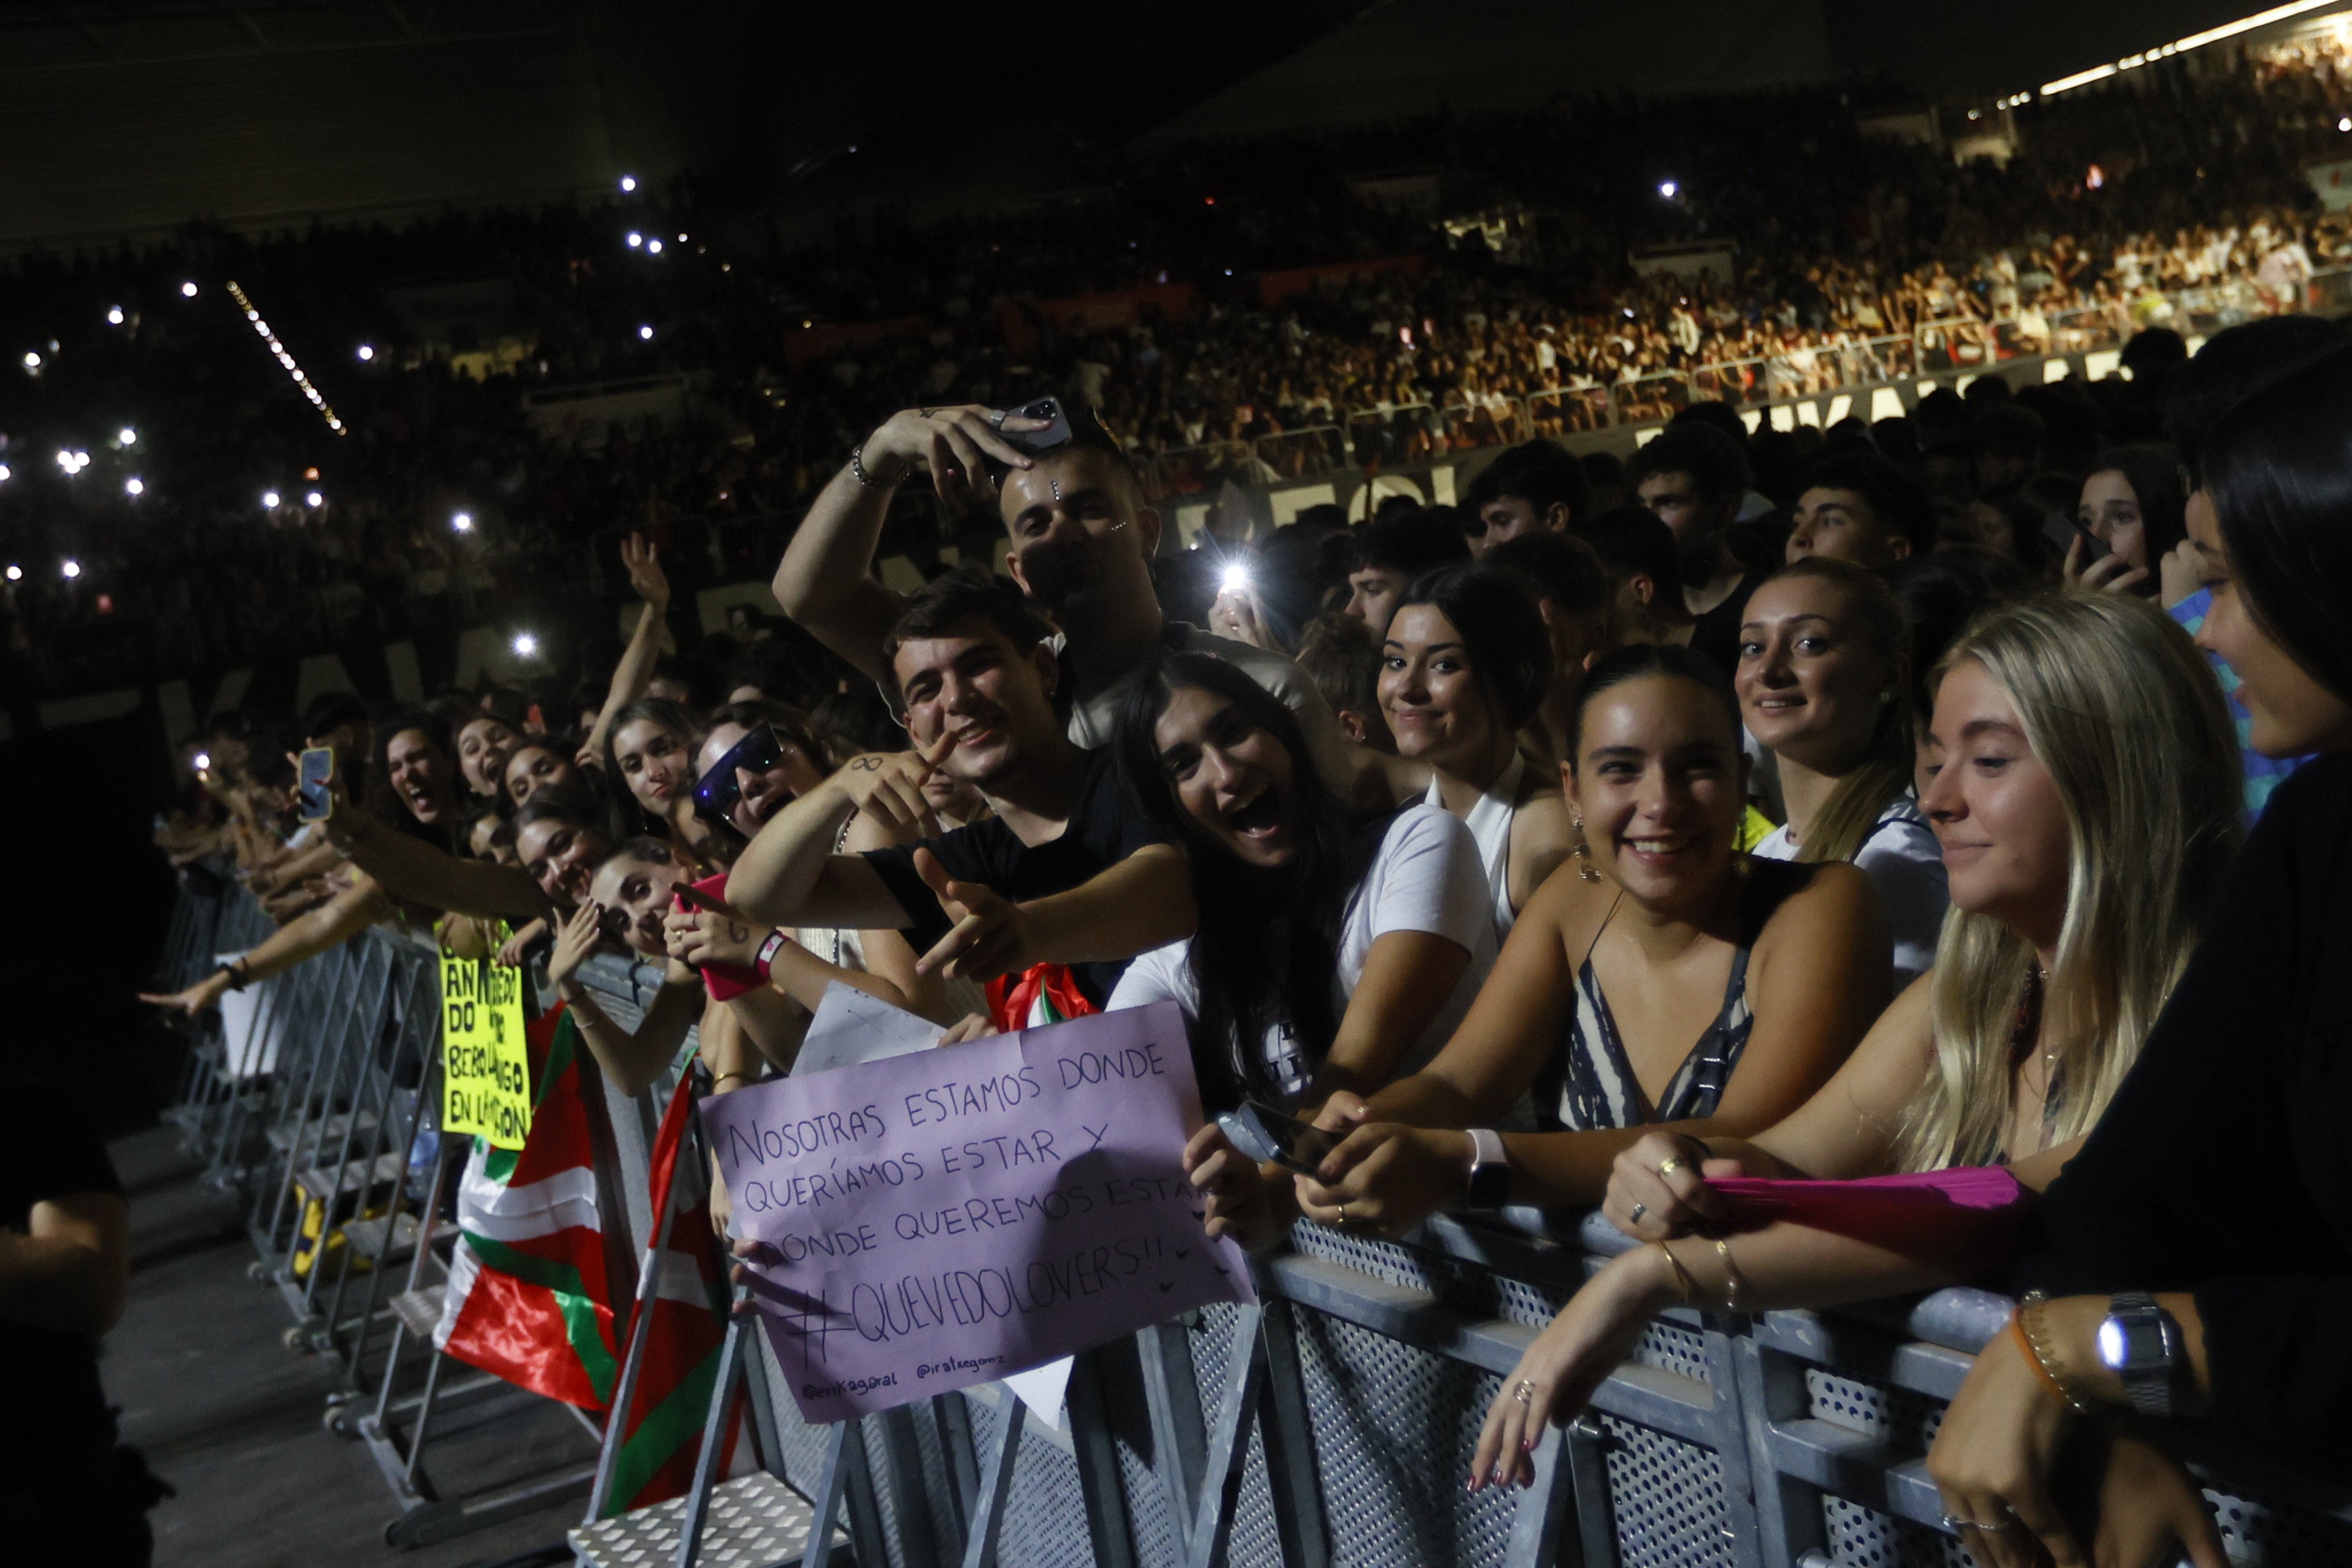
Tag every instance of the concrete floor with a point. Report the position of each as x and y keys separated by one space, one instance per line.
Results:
x=231 y=1419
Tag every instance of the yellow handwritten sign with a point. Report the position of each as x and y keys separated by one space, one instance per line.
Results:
x=485 y=1069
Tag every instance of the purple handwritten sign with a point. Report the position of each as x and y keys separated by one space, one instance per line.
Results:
x=950 y=1216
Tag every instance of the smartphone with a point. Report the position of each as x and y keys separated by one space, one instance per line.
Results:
x=1268 y=1136
x=1055 y=436
x=317 y=801
x=2060 y=534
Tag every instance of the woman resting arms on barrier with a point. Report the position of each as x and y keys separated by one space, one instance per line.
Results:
x=2082 y=784
x=2218 y=1179
x=1328 y=954
x=1465 y=665
x=1660 y=977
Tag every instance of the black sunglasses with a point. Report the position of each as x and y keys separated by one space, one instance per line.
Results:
x=716 y=793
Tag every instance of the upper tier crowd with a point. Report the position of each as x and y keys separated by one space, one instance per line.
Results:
x=1856 y=254
x=1959 y=795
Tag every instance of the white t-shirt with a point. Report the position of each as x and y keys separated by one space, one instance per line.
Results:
x=1905 y=865
x=1426 y=877
x=1093 y=720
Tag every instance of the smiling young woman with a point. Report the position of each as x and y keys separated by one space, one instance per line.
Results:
x=1663 y=978
x=1824 y=680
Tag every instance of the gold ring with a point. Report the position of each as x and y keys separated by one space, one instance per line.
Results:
x=1343 y=1214
x=1670 y=1167
x=1525 y=1394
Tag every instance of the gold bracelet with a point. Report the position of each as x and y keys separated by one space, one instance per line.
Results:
x=1683 y=1280
x=2034 y=1332
x=722 y=1078
x=1734 y=1285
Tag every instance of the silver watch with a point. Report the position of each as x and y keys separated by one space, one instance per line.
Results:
x=2139 y=1342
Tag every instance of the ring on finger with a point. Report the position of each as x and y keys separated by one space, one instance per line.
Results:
x=1639 y=1210
x=1525 y=1394
x=1669 y=1166
x=1343 y=1214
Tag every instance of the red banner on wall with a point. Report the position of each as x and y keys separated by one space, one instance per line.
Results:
x=1089 y=313
x=1273 y=288
x=812 y=342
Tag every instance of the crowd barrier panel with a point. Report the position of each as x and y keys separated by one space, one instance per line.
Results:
x=1331 y=1424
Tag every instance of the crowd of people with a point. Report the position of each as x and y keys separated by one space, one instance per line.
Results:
x=1856 y=254
x=1874 y=801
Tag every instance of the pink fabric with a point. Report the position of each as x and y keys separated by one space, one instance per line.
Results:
x=1925 y=1207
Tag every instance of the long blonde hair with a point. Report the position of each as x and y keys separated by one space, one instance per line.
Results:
x=2127 y=716
x=1873 y=617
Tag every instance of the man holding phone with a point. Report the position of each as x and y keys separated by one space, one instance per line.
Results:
x=1082 y=536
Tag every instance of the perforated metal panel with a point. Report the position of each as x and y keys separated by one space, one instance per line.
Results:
x=1045 y=1520
x=1395 y=1429
x=2261 y=1534
x=1899 y=1416
x=1861 y=1537
x=1667 y=1498
x=1255 y=1539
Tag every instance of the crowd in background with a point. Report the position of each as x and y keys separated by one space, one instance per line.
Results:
x=2188 y=174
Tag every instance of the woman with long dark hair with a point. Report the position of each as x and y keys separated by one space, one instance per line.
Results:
x=1465 y=665
x=1330 y=954
x=649 y=760
x=2196 y=1254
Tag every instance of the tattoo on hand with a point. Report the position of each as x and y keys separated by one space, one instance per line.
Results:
x=738 y=932
x=864 y=764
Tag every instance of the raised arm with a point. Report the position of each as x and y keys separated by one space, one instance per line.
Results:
x=632 y=1059
x=413 y=870
x=789 y=875
x=826 y=581
x=338 y=920
x=635 y=670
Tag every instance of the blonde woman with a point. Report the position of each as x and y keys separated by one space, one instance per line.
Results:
x=1822 y=677
x=2083 y=780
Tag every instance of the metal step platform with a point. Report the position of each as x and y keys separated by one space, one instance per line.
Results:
x=754 y=1522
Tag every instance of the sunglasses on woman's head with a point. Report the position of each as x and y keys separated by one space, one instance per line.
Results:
x=716 y=793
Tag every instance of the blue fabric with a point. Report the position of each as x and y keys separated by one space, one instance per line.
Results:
x=2263 y=773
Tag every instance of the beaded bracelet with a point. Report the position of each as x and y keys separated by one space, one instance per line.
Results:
x=2025 y=1324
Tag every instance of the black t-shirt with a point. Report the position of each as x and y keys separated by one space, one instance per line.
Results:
x=2223 y=1165
x=1717 y=635
x=52 y=1410
x=1106 y=826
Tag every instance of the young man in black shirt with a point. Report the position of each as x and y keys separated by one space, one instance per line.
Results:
x=1067 y=870
x=1694 y=477
x=65 y=1265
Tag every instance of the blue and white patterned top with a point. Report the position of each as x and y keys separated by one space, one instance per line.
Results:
x=2263 y=773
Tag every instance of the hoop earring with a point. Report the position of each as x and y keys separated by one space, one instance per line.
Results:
x=1582 y=850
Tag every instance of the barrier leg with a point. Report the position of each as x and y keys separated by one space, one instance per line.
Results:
x=1290 y=1445
x=995 y=1487
x=1228 y=1455
x=714 y=1436
x=1171 y=1395
x=1539 y=1533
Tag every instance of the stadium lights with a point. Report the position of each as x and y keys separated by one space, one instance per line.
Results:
x=525 y=644
x=628 y=183
x=114 y=315
x=278 y=351
x=187 y=290
x=462 y=521
x=134 y=486
x=72 y=568
x=269 y=500
x=2182 y=45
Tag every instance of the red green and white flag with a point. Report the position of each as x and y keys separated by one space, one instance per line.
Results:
x=530 y=1296
x=661 y=1438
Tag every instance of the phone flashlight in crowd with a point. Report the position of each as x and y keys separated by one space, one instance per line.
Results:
x=1667 y=188
x=525 y=646
x=187 y=290
x=461 y=521
x=15 y=573
x=72 y=568
x=628 y=183
x=367 y=351
x=317 y=801
x=269 y=500
x=1236 y=578
x=203 y=761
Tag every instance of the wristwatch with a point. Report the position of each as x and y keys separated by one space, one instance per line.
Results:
x=2139 y=1342
x=1490 y=1170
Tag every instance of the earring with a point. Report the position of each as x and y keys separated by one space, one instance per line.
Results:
x=1582 y=850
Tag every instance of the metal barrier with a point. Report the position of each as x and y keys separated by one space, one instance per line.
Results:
x=1333 y=1423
